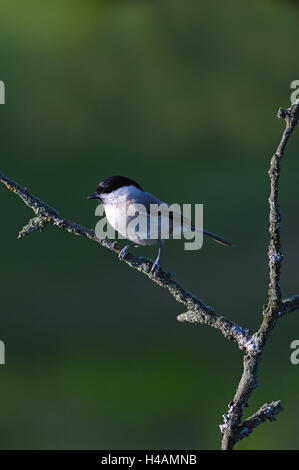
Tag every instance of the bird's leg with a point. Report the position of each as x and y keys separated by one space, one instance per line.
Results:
x=124 y=251
x=157 y=263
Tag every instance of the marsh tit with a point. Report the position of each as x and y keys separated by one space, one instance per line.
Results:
x=122 y=198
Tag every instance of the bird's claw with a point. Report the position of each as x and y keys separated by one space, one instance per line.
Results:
x=123 y=252
x=156 y=268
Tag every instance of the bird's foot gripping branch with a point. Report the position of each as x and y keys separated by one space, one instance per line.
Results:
x=234 y=427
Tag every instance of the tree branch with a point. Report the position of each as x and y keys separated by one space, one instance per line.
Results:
x=229 y=329
x=267 y=412
x=46 y=215
x=275 y=306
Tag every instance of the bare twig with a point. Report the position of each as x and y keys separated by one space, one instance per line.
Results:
x=289 y=305
x=267 y=412
x=229 y=329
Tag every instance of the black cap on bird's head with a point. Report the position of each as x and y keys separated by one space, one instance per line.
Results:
x=111 y=184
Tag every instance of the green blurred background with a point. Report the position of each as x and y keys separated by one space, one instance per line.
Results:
x=182 y=97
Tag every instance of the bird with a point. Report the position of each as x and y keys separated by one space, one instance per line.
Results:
x=122 y=198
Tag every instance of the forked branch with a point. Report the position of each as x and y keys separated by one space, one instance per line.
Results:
x=232 y=429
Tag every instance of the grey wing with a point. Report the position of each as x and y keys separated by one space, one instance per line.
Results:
x=146 y=199
x=168 y=222
x=146 y=207
x=158 y=218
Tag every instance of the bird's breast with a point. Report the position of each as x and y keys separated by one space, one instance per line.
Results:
x=124 y=223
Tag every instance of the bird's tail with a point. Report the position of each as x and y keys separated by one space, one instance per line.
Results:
x=180 y=222
x=217 y=238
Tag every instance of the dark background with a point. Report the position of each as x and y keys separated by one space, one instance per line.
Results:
x=182 y=97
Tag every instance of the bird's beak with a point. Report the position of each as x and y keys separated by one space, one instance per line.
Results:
x=94 y=196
